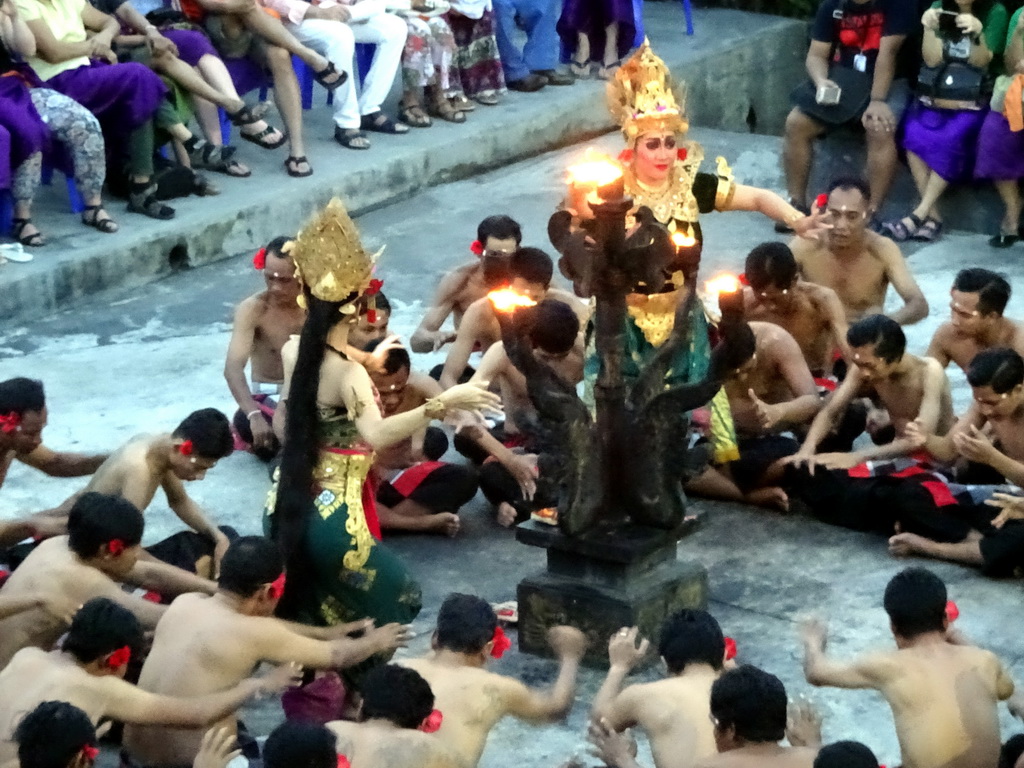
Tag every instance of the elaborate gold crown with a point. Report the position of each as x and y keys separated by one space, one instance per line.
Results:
x=640 y=96
x=329 y=256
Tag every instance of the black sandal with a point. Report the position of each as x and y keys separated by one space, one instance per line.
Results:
x=381 y=123
x=91 y=218
x=244 y=116
x=144 y=201
x=323 y=74
x=291 y=163
x=35 y=240
x=259 y=139
x=348 y=137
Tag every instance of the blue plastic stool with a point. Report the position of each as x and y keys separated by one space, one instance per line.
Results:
x=688 y=13
x=6 y=213
x=77 y=204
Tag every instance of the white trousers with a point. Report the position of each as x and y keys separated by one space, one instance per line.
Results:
x=335 y=41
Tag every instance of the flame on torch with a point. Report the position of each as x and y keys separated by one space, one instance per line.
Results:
x=722 y=284
x=595 y=171
x=507 y=300
x=683 y=239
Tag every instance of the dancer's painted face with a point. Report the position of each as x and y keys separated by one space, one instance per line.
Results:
x=654 y=155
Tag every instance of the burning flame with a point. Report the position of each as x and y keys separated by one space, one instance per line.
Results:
x=507 y=300
x=722 y=284
x=594 y=171
x=683 y=240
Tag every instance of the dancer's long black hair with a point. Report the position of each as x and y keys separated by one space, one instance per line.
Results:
x=299 y=456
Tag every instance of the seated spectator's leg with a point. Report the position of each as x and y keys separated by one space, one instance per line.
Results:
x=289 y=104
x=611 y=46
x=189 y=79
x=25 y=183
x=275 y=34
x=387 y=33
x=419 y=70
x=930 y=186
x=79 y=131
x=542 y=44
x=1001 y=161
x=798 y=153
x=142 y=189
x=213 y=70
x=1009 y=193
x=337 y=42
x=882 y=164
x=505 y=29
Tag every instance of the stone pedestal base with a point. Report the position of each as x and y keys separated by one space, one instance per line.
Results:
x=602 y=581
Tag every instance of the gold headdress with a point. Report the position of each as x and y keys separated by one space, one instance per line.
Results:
x=329 y=256
x=640 y=96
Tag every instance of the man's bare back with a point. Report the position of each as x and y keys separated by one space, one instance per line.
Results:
x=130 y=469
x=811 y=318
x=762 y=756
x=377 y=744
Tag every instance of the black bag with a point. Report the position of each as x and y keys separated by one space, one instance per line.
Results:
x=953 y=81
x=856 y=93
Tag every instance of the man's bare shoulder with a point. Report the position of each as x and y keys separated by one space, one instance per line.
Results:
x=424 y=385
x=883 y=248
x=819 y=295
x=803 y=247
x=945 y=334
x=1017 y=340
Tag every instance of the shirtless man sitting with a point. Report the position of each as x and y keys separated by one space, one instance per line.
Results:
x=811 y=313
x=990 y=438
x=907 y=387
x=943 y=695
x=88 y=671
x=508 y=472
x=23 y=416
x=856 y=263
x=100 y=552
x=263 y=323
x=208 y=644
x=497 y=238
x=395 y=725
x=147 y=462
x=530 y=271
x=977 y=300
x=472 y=699
x=674 y=713
x=417 y=492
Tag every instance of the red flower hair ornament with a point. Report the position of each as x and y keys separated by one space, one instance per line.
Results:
x=821 y=201
x=276 y=591
x=259 y=261
x=626 y=156
x=10 y=422
x=372 y=290
x=90 y=752
x=432 y=722
x=343 y=762
x=730 y=649
x=186 y=448
x=115 y=547
x=477 y=248
x=119 y=658
x=952 y=612
x=501 y=643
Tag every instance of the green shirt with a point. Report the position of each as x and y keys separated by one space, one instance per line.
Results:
x=993 y=29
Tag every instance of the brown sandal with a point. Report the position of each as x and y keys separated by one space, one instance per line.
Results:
x=445 y=110
x=410 y=112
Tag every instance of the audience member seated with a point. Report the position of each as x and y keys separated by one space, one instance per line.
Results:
x=477 y=63
x=856 y=263
x=674 y=713
x=397 y=724
x=529 y=275
x=1012 y=752
x=977 y=301
x=497 y=238
x=23 y=416
x=417 y=491
x=89 y=669
x=771 y=391
x=252 y=42
x=186 y=57
x=263 y=323
x=851 y=63
x=209 y=644
x=845 y=754
x=905 y=387
x=427 y=72
x=1001 y=144
x=508 y=454
x=147 y=462
x=990 y=439
x=100 y=552
x=333 y=30
x=531 y=67
x=56 y=735
x=124 y=97
x=32 y=114
x=930 y=681
x=598 y=34
x=940 y=133
x=812 y=314
x=473 y=700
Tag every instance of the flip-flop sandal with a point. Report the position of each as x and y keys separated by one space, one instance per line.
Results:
x=487 y=98
x=898 y=230
x=14 y=253
x=929 y=231
x=351 y=138
x=445 y=110
x=323 y=74
x=607 y=71
x=291 y=163
x=261 y=139
x=378 y=122
x=581 y=70
x=91 y=218
x=1004 y=240
x=461 y=103
x=35 y=240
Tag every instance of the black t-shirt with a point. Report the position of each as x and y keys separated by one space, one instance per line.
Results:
x=6 y=60
x=108 y=7
x=858 y=28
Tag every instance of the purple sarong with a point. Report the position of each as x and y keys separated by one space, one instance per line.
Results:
x=247 y=74
x=591 y=17
x=5 y=151
x=122 y=96
x=946 y=139
x=29 y=134
x=1000 y=150
x=192 y=45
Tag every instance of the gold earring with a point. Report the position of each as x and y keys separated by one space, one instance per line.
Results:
x=301 y=301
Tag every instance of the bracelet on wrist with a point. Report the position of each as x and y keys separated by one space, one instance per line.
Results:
x=250 y=414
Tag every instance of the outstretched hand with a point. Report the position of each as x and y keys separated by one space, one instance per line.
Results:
x=803 y=724
x=623 y=650
x=1011 y=506
x=812 y=226
x=618 y=750
x=219 y=747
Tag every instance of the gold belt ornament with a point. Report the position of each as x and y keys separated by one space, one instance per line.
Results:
x=654 y=314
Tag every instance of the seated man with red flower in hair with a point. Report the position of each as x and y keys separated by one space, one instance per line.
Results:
x=472 y=699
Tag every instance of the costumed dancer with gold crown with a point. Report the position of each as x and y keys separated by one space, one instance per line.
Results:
x=661 y=171
x=321 y=509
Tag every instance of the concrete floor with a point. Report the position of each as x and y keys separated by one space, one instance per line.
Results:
x=132 y=361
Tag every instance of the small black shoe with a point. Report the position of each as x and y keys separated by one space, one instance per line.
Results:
x=554 y=77
x=532 y=82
